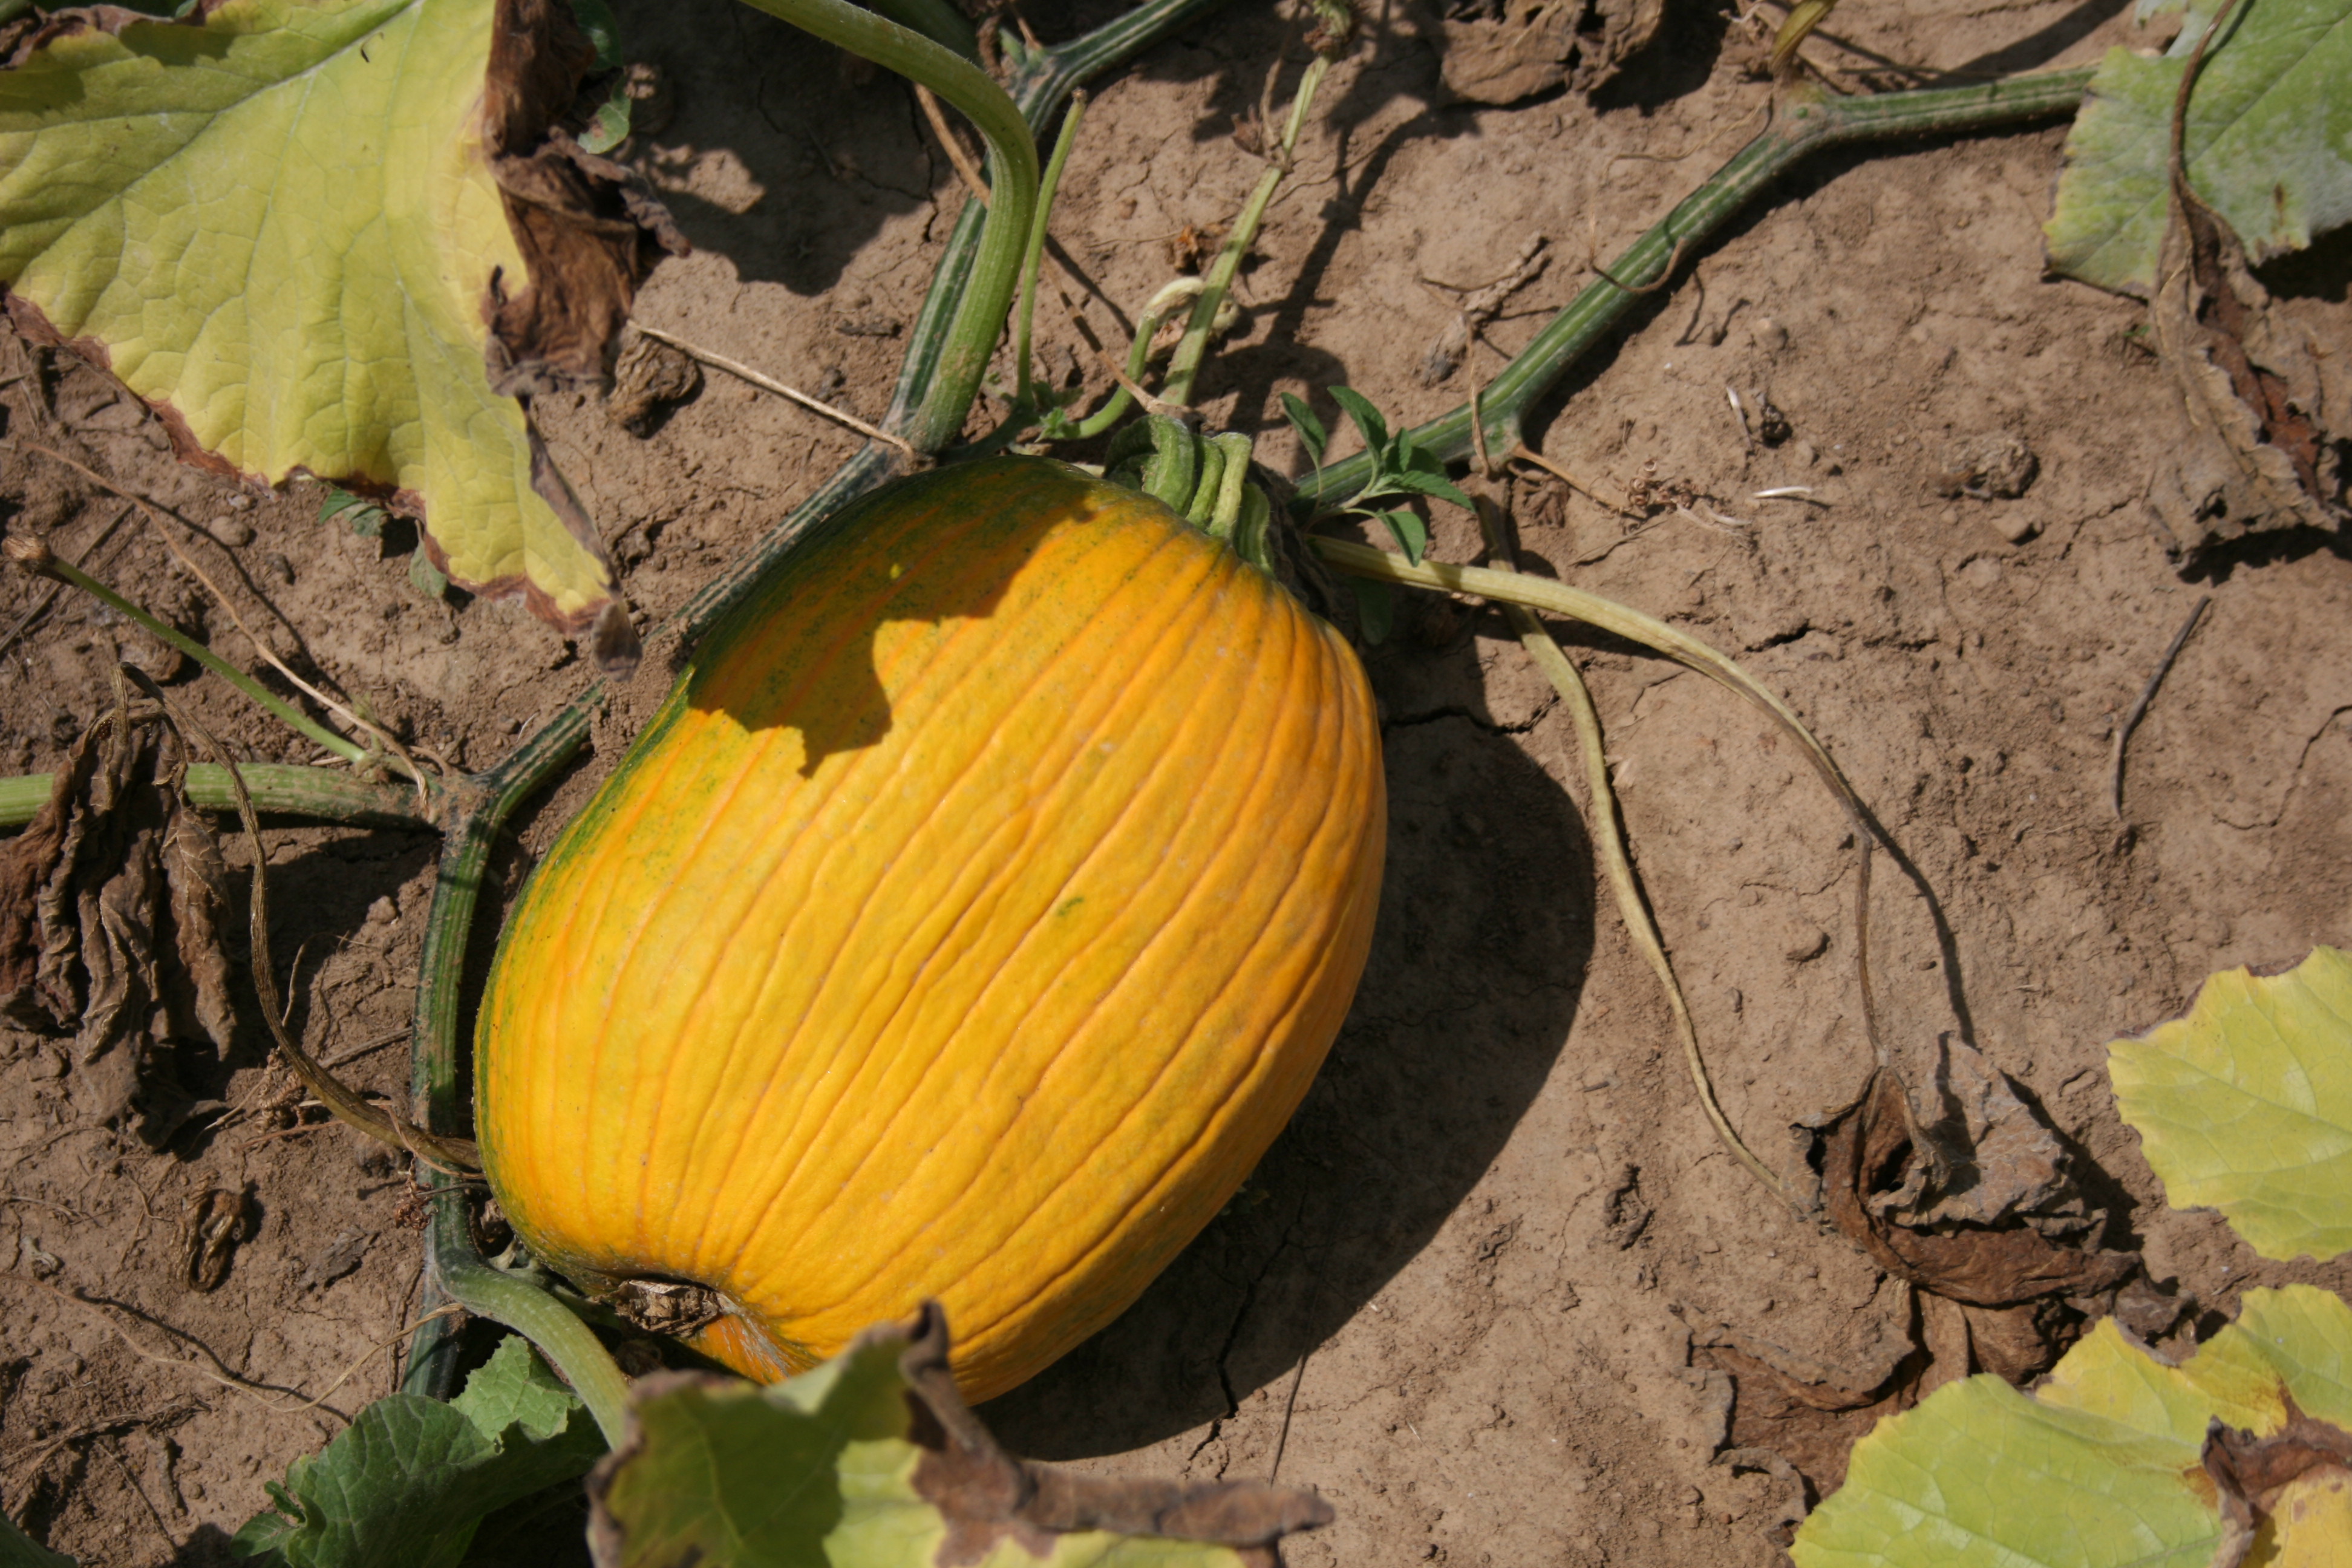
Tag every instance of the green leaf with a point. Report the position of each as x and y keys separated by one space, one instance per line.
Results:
x=424 y=577
x=872 y=1461
x=2267 y=142
x=1311 y=433
x=2102 y=1465
x=596 y=20
x=1375 y=610
x=1411 y=534
x=18 y=1550
x=280 y=224
x=2245 y=1104
x=609 y=126
x=1365 y=418
x=407 y=1484
x=1416 y=483
x=366 y=519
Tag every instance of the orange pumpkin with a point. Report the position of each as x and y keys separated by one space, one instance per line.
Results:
x=972 y=915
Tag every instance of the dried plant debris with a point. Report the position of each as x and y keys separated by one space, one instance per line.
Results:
x=1996 y=466
x=587 y=232
x=2267 y=446
x=650 y=378
x=872 y=1459
x=112 y=908
x=212 y=1224
x=1954 y=1184
x=2261 y=166
x=652 y=94
x=1479 y=306
x=1504 y=51
x=2265 y=1484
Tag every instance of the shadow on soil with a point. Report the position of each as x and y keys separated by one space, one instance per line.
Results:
x=1486 y=931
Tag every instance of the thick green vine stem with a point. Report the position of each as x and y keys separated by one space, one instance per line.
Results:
x=435 y=1080
x=1805 y=122
x=936 y=20
x=980 y=313
x=314 y=792
x=569 y=1345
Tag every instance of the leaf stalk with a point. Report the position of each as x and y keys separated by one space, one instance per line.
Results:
x=979 y=318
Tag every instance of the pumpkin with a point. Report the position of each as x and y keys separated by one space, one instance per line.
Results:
x=969 y=920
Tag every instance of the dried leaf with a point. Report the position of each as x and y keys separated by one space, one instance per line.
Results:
x=111 y=902
x=586 y=234
x=2258 y=1478
x=28 y=865
x=2263 y=450
x=1975 y=1202
x=650 y=378
x=1527 y=46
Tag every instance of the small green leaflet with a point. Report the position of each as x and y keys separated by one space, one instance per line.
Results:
x=872 y=1461
x=426 y=578
x=1411 y=533
x=610 y=125
x=2267 y=141
x=339 y=505
x=408 y=1483
x=1400 y=469
x=2245 y=1104
x=1364 y=418
x=1311 y=433
x=1375 y=609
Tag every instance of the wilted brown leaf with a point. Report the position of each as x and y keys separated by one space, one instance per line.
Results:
x=988 y=1494
x=2264 y=449
x=1970 y=1197
x=2251 y=1475
x=1977 y=1204
x=587 y=231
x=1503 y=51
x=110 y=908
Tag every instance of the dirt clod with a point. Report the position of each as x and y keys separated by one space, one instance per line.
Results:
x=1997 y=467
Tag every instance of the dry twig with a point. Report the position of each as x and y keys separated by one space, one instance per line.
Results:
x=2146 y=696
x=770 y=384
x=155 y=516
x=1526 y=454
x=1479 y=306
x=957 y=153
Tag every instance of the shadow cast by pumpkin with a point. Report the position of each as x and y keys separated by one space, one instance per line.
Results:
x=1485 y=935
